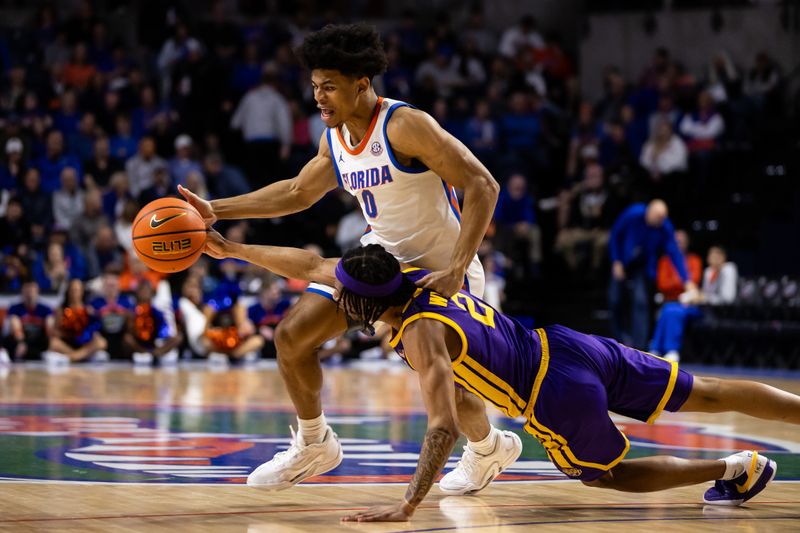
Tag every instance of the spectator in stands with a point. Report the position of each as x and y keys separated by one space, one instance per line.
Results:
x=103 y=252
x=724 y=80
x=112 y=309
x=14 y=167
x=37 y=205
x=161 y=188
x=267 y=312
x=585 y=133
x=520 y=128
x=149 y=334
x=30 y=323
x=584 y=218
x=515 y=217
x=617 y=156
x=265 y=119
x=481 y=134
x=609 y=108
x=52 y=269
x=247 y=72
x=123 y=144
x=764 y=83
x=719 y=288
x=182 y=164
x=76 y=335
x=83 y=230
x=668 y=282
x=665 y=112
x=68 y=201
x=14 y=229
x=638 y=238
x=117 y=194
x=223 y=180
x=192 y=315
x=81 y=142
x=101 y=166
x=664 y=157
x=521 y=37
x=174 y=50
x=704 y=127
x=141 y=168
x=67 y=119
x=230 y=333
x=55 y=161
x=124 y=225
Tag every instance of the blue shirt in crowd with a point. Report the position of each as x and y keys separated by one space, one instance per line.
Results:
x=510 y=211
x=635 y=243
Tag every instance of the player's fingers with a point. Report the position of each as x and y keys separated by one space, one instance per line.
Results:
x=186 y=193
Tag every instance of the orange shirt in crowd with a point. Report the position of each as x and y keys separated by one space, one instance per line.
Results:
x=669 y=283
x=78 y=76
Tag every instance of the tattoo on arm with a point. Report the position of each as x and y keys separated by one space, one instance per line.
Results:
x=436 y=449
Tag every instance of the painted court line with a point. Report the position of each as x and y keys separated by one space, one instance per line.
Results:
x=424 y=507
x=601 y=521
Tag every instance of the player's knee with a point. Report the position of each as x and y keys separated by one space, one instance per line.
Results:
x=606 y=481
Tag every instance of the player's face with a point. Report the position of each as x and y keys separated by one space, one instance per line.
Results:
x=337 y=95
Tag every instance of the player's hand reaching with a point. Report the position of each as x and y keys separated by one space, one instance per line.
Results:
x=203 y=206
x=399 y=512
x=216 y=245
x=445 y=282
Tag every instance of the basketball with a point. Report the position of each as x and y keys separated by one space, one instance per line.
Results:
x=168 y=235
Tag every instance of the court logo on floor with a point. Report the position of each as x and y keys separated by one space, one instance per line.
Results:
x=182 y=445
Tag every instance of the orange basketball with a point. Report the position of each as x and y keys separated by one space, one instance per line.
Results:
x=168 y=235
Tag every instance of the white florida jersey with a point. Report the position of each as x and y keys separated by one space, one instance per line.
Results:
x=412 y=212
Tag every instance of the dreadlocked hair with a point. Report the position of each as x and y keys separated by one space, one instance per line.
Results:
x=352 y=49
x=374 y=265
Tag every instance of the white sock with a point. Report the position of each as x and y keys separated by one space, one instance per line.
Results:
x=733 y=467
x=485 y=446
x=312 y=431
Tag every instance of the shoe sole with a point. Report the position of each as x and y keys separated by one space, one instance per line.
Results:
x=496 y=471
x=314 y=470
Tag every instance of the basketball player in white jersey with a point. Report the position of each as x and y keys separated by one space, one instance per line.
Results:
x=401 y=166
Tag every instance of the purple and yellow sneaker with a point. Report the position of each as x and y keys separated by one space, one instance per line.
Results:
x=758 y=472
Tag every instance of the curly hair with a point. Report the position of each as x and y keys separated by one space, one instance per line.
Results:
x=374 y=265
x=352 y=49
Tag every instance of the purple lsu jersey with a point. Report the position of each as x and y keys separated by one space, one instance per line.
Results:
x=561 y=381
x=499 y=356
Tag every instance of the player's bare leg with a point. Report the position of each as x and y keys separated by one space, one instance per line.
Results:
x=738 y=477
x=714 y=395
x=314 y=449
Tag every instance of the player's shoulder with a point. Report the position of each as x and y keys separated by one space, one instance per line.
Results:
x=404 y=116
x=17 y=309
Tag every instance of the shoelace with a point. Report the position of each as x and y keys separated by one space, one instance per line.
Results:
x=468 y=461
x=283 y=457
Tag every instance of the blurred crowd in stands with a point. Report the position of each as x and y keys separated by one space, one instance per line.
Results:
x=94 y=126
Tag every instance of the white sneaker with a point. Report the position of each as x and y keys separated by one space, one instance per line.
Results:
x=54 y=359
x=250 y=358
x=673 y=356
x=298 y=463
x=100 y=356
x=217 y=359
x=142 y=359
x=5 y=359
x=475 y=471
x=169 y=359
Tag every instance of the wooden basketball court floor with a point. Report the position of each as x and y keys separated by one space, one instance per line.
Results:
x=117 y=449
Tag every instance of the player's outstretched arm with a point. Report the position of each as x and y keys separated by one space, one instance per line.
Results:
x=416 y=134
x=424 y=343
x=284 y=197
x=287 y=262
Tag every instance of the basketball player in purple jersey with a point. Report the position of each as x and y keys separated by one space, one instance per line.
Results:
x=562 y=382
x=392 y=158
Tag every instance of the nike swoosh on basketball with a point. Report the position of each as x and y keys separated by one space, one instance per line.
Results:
x=154 y=222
